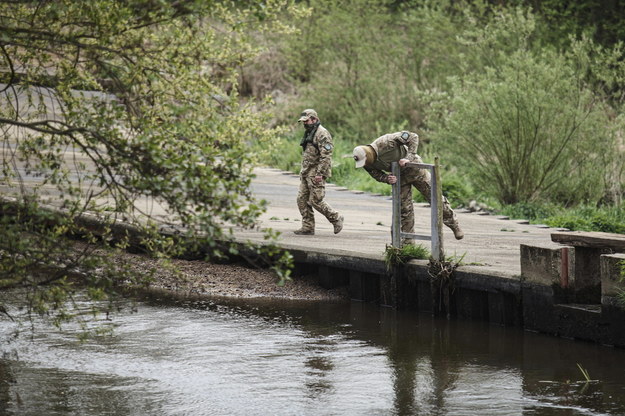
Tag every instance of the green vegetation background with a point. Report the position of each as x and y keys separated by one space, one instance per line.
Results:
x=523 y=103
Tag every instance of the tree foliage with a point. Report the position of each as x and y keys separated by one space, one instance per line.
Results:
x=366 y=70
x=515 y=114
x=530 y=124
x=127 y=109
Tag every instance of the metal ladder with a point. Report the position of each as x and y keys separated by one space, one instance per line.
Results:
x=436 y=210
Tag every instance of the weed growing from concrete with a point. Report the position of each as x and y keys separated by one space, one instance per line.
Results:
x=394 y=256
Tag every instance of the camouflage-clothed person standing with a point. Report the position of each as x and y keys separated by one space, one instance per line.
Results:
x=376 y=158
x=317 y=149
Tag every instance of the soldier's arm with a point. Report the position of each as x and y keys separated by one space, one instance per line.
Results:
x=325 y=154
x=377 y=174
x=411 y=142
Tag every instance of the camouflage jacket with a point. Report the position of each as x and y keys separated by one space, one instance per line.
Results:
x=317 y=156
x=390 y=148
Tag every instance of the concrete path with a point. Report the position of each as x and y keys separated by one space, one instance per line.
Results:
x=491 y=243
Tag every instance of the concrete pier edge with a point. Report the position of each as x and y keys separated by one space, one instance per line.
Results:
x=473 y=292
x=537 y=303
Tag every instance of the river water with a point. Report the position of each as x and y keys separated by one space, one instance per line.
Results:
x=251 y=357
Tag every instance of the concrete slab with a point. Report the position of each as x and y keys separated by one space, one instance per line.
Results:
x=490 y=243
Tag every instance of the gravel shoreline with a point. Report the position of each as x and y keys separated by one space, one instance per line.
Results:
x=231 y=280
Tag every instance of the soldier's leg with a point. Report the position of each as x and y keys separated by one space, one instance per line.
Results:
x=422 y=181
x=316 y=200
x=407 y=208
x=305 y=209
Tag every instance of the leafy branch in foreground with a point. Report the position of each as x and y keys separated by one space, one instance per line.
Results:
x=129 y=110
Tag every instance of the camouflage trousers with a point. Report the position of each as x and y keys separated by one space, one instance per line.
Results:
x=311 y=196
x=420 y=179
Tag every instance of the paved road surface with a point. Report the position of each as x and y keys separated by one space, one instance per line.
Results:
x=490 y=242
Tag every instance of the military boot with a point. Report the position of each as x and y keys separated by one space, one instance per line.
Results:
x=338 y=225
x=301 y=231
x=458 y=233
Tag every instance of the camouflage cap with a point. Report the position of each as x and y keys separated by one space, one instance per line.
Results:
x=308 y=113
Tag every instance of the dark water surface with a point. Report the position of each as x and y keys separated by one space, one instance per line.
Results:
x=224 y=357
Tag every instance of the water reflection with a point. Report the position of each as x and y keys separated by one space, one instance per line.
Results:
x=224 y=357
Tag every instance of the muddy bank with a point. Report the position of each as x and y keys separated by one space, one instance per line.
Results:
x=232 y=280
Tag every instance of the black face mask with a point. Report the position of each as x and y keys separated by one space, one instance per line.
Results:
x=309 y=127
x=309 y=133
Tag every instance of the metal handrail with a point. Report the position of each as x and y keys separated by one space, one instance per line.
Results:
x=436 y=204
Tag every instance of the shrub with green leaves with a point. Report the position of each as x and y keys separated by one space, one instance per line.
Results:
x=527 y=126
x=368 y=66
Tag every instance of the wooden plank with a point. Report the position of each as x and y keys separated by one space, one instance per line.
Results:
x=590 y=239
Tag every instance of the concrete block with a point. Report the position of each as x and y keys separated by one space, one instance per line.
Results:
x=588 y=274
x=611 y=280
x=578 y=321
x=615 y=330
x=550 y=264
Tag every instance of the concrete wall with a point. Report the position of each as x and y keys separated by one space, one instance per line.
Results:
x=551 y=264
x=541 y=299
x=612 y=283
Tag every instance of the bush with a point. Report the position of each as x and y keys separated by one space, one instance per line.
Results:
x=287 y=156
x=457 y=190
x=395 y=256
x=366 y=69
x=580 y=218
x=523 y=123
x=513 y=119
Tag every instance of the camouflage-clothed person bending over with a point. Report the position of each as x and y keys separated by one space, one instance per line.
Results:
x=316 y=168
x=376 y=158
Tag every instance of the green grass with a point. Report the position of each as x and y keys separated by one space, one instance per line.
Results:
x=394 y=256
x=581 y=218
